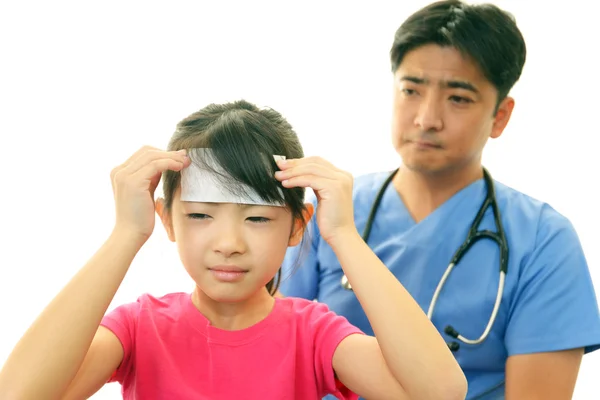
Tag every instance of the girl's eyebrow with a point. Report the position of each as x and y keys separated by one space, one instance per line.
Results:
x=212 y=204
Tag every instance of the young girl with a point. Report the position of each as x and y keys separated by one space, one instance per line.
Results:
x=231 y=338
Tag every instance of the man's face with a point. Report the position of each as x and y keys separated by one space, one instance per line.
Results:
x=443 y=110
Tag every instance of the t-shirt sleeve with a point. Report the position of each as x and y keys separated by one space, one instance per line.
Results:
x=122 y=321
x=555 y=306
x=329 y=329
x=300 y=268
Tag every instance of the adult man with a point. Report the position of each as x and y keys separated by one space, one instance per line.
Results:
x=454 y=65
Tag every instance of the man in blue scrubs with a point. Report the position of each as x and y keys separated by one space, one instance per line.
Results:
x=454 y=66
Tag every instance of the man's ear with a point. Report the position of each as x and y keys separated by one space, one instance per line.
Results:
x=505 y=109
x=165 y=217
x=300 y=225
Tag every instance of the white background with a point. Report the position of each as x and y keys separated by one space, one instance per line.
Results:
x=83 y=85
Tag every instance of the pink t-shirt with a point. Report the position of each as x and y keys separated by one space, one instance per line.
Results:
x=172 y=352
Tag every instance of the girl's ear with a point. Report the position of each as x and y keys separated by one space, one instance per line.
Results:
x=300 y=225
x=165 y=217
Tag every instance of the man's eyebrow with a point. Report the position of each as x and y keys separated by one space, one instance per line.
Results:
x=413 y=79
x=455 y=84
x=452 y=84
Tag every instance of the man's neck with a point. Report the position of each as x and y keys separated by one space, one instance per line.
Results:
x=422 y=193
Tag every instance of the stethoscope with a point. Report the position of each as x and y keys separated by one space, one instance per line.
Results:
x=472 y=237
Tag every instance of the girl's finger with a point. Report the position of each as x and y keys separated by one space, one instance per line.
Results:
x=152 y=155
x=292 y=162
x=132 y=158
x=306 y=169
x=156 y=167
x=315 y=182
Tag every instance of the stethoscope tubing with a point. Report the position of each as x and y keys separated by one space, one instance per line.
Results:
x=473 y=236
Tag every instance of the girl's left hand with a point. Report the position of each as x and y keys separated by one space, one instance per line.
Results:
x=333 y=188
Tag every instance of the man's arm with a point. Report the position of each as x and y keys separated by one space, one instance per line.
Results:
x=554 y=317
x=547 y=376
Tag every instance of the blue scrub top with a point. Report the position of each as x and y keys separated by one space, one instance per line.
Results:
x=548 y=303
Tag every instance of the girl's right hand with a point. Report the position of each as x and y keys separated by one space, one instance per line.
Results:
x=134 y=183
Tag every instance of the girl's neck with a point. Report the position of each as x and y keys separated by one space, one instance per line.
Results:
x=234 y=316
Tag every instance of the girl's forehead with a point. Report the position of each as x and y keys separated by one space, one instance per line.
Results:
x=206 y=181
x=241 y=206
x=195 y=206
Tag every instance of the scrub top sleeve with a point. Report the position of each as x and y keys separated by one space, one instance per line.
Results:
x=555 y=306
x=300 y=268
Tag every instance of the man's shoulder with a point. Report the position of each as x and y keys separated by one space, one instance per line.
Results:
x=371 y=181
x=527 y=208
x=366 y=186
x=535 y=224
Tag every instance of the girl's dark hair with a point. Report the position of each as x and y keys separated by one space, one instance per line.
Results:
x=243 y=139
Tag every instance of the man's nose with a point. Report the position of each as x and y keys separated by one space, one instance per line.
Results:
x=429 y=115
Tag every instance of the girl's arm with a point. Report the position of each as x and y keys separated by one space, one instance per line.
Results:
x=406 y=346
x=49 y=355
x=408 y=358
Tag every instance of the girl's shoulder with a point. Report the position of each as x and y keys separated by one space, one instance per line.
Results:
x=162 y=301
x=150 y=304
x=310 y=313
x=300 y=307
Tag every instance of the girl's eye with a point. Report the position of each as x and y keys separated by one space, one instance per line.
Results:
x=198 y=216
x=258 y=219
